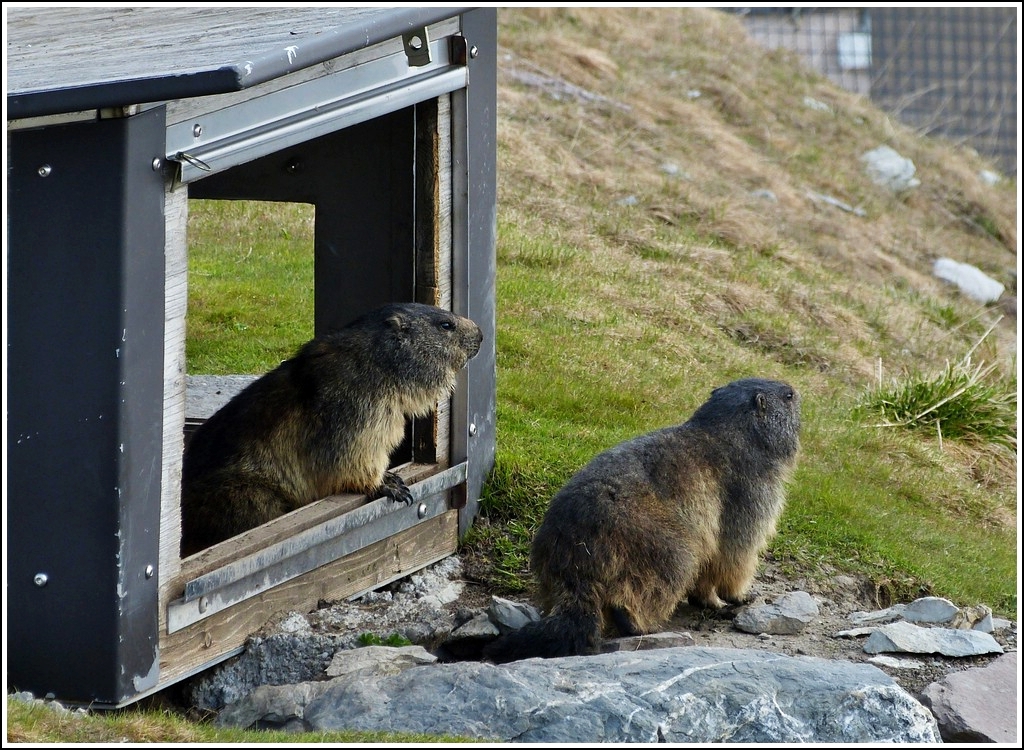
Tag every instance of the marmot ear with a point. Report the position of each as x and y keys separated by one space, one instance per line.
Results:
x=396 y=321
x=761 y=401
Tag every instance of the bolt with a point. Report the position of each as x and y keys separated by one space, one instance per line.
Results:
x=474 y=51
x=204 y=604
x=421 y=511
x=44 y=171
x=157 y=164
x=472 y=429
x=150 y=570
x=197 y=130
x=41 y=579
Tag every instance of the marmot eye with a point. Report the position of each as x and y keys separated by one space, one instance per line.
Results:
x=447 y=325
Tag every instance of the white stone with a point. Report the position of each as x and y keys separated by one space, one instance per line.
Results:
x=971 y=281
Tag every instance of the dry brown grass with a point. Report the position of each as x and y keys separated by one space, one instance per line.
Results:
x=645 y=87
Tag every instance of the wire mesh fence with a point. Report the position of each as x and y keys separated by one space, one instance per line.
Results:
x=948 y=71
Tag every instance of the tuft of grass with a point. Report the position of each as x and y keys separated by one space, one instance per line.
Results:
x=966 y=401
x=395 y=640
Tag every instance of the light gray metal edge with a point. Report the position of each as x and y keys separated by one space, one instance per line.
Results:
x=310 y=549
x=266 y=124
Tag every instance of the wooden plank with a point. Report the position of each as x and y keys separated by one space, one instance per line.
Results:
x=281 y=528
x=443 y=254
x=221 y=49
x=205 y=643
x=175 y=308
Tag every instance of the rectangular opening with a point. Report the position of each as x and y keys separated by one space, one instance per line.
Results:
x=276 y=251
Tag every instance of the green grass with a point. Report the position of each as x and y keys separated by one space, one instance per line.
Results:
x=250 y=285
x=39 y=723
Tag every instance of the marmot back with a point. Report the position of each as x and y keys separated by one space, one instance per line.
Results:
x=680 y=513
x=323 y=422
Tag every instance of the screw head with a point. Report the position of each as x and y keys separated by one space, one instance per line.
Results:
x=150 y=570
x=421 y=511
x=197 y=130
x=204 y=604
x=472 y=429
x=474 y=51
x=40 y=579
x=157 y=164
x=45 y=170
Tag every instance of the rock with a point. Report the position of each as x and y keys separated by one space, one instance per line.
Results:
x=508 y=615
x=894 y=663
x=645 y=642
x=887 y=168
x=930 y=609
x=890 y=614
x=909 y=638
x=989 y=177
x=480 y=626
x=973 y=618
x=278 y=659
x=670 y=695
x=818 y=106
x=855 y=632
x=970 y=280
x=789 y=614
x=822 y=198
x=977 y=705
x=765 y=194
x=379 y=660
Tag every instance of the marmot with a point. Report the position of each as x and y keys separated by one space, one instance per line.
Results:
x=680 y=513
x=323 y=422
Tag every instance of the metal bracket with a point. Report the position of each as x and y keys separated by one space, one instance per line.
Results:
x=269 y=567
x=417 y=47
x=458 y=50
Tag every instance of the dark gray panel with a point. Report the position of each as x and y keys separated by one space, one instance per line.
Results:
x=85 y=393
x=480 y=29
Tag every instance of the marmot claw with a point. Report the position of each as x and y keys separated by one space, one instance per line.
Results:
x=395 y=488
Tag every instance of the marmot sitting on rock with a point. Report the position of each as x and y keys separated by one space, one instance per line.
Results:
x=680 y=513
x=323 y=422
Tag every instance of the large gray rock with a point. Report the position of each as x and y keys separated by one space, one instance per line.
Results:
x=913 y=639
x=669 y=695
x=977 y=705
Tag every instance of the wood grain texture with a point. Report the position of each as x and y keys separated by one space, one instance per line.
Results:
x=206 y=642
x=68 y=47
x=175 y=307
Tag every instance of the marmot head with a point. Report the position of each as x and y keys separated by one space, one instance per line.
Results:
x=768 y=411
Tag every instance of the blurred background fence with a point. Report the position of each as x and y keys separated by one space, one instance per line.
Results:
x=947 y=71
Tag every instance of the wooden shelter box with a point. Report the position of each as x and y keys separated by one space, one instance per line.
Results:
x=384 y=120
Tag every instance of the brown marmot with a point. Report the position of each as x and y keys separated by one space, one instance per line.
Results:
x=323 y=422
x=680 y=513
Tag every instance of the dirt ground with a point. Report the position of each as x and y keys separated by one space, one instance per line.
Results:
x=837 y=597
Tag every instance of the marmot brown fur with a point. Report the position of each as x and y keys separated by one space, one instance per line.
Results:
x=323 y=422
x=680 y=513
